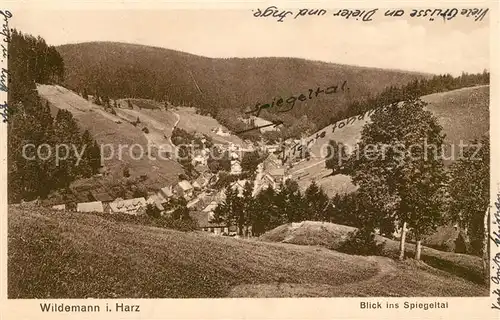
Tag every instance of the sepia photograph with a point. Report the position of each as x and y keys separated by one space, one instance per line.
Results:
x=268 y=152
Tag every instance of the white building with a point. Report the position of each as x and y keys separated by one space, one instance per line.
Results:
x=130 y=206
x=95 y=206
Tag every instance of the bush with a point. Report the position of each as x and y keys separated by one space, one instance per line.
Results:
x=362 y=242
x=153 y=211
x=126 y=172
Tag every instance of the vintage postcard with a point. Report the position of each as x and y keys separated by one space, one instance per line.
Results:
x=261 y=160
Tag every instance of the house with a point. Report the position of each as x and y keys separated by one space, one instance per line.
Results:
x=184 y=189
x=203 y=180
x=273 y=177
x=271 y=162
x=196 y=185
x=235 y=167
x=221 y=132
x=239 y=186
x=157 y=200
x=205 y=223
x=166 y=192
x=200 y=160
x=130 y=206
x=59 y=207
x=193 y=203
x=94 y=206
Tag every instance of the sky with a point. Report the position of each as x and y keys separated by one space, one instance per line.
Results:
x=402 y=43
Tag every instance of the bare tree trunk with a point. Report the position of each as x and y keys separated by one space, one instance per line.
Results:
x=402 y=242
x=486 y=251
x=418 y=249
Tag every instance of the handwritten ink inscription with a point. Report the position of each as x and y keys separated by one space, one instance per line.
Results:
x=283 y=105
x=4 y=85
x=366 y=15
x=495 y=278
x=299 y=148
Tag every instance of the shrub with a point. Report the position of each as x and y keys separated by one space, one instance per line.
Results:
x=126 y=172
x=362 y=242
x=153 y=211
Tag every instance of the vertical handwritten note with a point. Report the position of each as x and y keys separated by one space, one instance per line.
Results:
x=4 y=83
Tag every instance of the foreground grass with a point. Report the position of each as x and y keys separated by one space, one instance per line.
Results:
x=75 y=255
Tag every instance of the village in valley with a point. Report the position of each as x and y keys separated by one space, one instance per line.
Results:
x=201 y=193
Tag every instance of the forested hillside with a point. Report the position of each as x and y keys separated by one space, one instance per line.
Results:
x=33 y=133
x=225 y=88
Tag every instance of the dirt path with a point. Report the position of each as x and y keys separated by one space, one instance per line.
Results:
x=173 y=127
x=386 y=270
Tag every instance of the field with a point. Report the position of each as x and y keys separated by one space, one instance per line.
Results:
x=463 y=114
x=113 y=130
x=75 y=255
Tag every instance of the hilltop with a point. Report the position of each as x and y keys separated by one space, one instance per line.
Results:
x=78 y=255
x=122 y=70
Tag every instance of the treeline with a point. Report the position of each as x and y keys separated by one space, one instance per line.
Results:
x=412 y=90
x=271 y=208
x=33 y=134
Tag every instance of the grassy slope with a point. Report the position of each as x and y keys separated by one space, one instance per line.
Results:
x=154 y=118
x=463 y=113
x=332 y=236
x=127 y=70
x=62 y=254
x=107 y=131
x=191 y=122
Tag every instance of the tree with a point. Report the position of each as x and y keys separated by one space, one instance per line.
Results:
x=248 y=207
x=153 y=211
x=292 y=201
x=336 y=154
x=85 y=167
x=267 y=213
x=85 y=94
x=399 y=169
x=218 y=160
x=250 y=161
x=316 y=202
x=185 y=159
x=469 y=193
x=97 y=100
x=126 y=172
x=129 y=104
x=231 y=210
x=180 y=209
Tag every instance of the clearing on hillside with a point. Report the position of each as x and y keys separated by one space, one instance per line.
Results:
x=112 y=130
x=463 y=113
x=192 y=121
